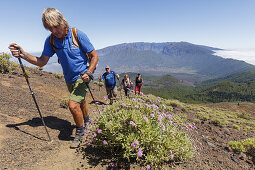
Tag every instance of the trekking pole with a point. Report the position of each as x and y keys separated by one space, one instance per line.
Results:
x=87 y=84
x=120 y=89
x=99 y=89
x=32 y=93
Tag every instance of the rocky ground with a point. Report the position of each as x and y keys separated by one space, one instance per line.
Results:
x=24 y=143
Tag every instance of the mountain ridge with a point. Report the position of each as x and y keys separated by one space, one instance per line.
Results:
x=178 y=58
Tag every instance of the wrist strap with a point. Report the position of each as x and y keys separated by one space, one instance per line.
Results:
x=89 y=71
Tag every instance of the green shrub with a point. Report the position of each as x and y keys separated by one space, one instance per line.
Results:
x=247 y=128
x=236 y=127
x=7 y=66
x=95 y=82
x=101 y=84
x=58 y=75
x=173 y=103
x=203 y=115
x=145 y=130
x=196 y=120
x=237 y=146
x=40 y=68
x=244 y=116
x=64 y=102
x=246 y=145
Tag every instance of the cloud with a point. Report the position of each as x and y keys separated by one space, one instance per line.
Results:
x=247 y=55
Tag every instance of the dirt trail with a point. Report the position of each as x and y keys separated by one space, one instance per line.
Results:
x=23 y=142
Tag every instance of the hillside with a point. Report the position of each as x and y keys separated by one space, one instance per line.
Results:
x=170 y=57
x=242 y=77
x=183 y=60
x=23 y=142
x=235 y=87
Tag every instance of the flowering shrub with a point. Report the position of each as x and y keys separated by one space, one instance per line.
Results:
x=144 y=128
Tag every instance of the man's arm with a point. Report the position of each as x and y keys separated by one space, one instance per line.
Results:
x=93 y=63
x=17 y=51
x=118 y=77
x=94 y=60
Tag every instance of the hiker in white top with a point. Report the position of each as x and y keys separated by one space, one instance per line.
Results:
x=127 y=85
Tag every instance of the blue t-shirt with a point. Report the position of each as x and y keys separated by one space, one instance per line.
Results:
x=72 y=59
x=109 y=78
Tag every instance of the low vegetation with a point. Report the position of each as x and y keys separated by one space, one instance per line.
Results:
x=246 y=145
x=6 y=66
x=223 y=117
x=145 y=129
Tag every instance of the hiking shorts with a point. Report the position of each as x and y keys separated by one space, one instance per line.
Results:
x=111 y=92
x=78 y=90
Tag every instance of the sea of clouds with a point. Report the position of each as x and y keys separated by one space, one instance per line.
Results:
x=247 y=55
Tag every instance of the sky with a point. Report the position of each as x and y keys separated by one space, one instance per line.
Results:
x=225 y=24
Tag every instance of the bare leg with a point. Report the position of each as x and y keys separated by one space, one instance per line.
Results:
x=84 y=108
x=76 y=111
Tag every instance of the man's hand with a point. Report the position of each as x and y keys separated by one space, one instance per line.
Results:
x=86 y=77
x=16 y=50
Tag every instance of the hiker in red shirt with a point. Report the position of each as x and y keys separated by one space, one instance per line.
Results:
x=138 y=83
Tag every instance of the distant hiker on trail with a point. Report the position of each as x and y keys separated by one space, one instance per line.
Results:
x=73 y=59
x=127 y=84
x=110 y=83
x=138 y=83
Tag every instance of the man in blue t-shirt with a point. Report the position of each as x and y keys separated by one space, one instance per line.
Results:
x=110 y=83
x=73 y=61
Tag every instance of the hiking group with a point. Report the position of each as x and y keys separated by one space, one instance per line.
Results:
x=110 y=82
x=78 y=59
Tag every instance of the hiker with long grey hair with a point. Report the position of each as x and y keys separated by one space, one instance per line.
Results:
x=74 y=51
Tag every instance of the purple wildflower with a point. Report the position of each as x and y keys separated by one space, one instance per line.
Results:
x=171 y=151
x=104 y=142
x=135 y=144
x=172 y=156
x=134 y=99
x=132 y=123
x=160 y=118
x=163 y=127
x=94 y=135
x=112 y=164
x=152 y=115
x=99 y=131
x=146 y=119
x=123 y=104
x=136 y=106
x=182 y=148
x=139 y=153
x=148 y=167
x=105 y=98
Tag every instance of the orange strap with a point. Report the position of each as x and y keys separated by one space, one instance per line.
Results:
x=74 y=38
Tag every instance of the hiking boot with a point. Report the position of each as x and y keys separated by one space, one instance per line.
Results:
x=87 y=121
x=78 y=138
x=111 y=101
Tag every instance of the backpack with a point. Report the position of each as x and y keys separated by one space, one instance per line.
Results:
x=75 y=41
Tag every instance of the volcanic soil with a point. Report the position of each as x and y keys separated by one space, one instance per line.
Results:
x=24 y=143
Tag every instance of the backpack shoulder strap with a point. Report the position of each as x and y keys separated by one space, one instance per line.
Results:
x=52 y=42
x=113 y=74
x=76 y=41
x=75 y=37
